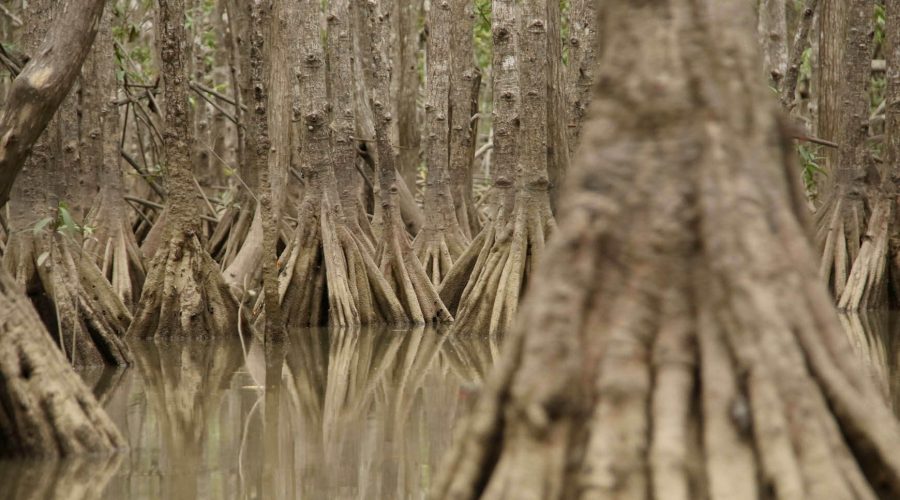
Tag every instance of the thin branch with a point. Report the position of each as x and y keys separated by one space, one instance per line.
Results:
x=16 y=20
x=145 y=175
x=214 y=104
x=801 y=42
x=218 y=95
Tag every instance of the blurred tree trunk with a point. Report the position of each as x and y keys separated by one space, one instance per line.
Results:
x=659 y=355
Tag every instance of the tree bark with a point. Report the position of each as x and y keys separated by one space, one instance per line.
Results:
x=841 y=220
x=662 y=355
x=465 y=83
x=185 y=294
x=582 y=45
x=399 y=264
x=488 y=280
x=45 y=409
x=443 y=238
x=42 y=85
x=772 y=31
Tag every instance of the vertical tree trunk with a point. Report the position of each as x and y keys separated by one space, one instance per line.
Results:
x=514 y=242
x=112 y=246
x=184 y=294
x=442 y=240
x=582 y=44
x=871 y=280
x=465 y=83
x=659 y=357
x=417 y=294
x=407 y=68
x=772 y=31
x=330 y=272
x=841 y=221
x=556 y=119
x=43 y=252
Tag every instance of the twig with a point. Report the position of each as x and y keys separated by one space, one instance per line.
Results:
x=218 y=95
x=146 y=176
x=159 y=207
x=146 y=219
x=203 y=195
x=296 y=176
x=484 y=149
x=16 y=20
x=214 y=104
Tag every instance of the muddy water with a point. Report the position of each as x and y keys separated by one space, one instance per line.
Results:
x=338 y=414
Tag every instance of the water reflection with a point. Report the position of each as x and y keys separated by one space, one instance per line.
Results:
x=337 y=414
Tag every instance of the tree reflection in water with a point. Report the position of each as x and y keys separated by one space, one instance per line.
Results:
x=362 y=413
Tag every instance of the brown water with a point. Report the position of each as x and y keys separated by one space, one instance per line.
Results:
x=338 y=414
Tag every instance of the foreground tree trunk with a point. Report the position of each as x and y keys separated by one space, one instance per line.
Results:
x=45 y=409
x=44 y=249
x=662 y=355
x=185 y=294
x=43 y=84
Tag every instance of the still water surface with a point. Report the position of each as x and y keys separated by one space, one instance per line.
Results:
x=361 y=414
x=337 y=414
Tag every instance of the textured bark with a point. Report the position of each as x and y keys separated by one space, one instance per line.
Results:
x=871 y=280
x=580 y=75
x=399 y=264
x=662 y=355
x=488 y=280
x=112 y=246
x=557 y=122
x=45 y=409
x=443 y=238
x=407 y=78
x=42 y=85
x=465 y=82
x=184 y=294
x=75 y=301
x=260 y=144
x=240 y=223
x=832 y=30
x=841 y=221
x=330 y=273
x=772 y=31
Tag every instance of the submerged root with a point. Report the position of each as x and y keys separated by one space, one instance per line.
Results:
x=840 y=226
x=74 y=299
x=185 y=294
x=867 y=283
x=45 y=409
x=330 y=274
x=510 y=247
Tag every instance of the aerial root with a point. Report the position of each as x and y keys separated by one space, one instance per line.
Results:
x=840 y=223
x=185 y=294
x=867 y=285
x=76 y=302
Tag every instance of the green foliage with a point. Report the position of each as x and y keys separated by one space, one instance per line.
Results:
x=483 y=43
x=810 y=169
